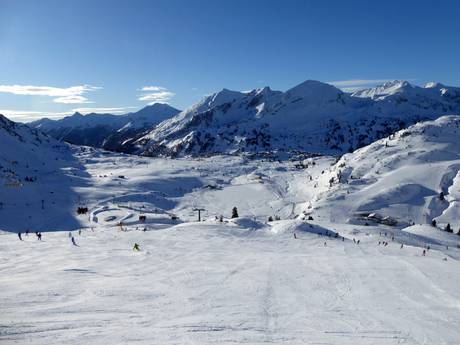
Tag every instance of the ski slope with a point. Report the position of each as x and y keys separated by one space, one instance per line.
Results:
x=212 y=283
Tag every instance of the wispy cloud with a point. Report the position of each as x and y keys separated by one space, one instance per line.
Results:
x=30 y=115
x=68 y=95
x=153 y=88
x=156 y=94
x=116 y=110
x=357 y=84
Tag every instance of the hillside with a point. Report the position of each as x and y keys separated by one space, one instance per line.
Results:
x=401 y=176
x=38 y=177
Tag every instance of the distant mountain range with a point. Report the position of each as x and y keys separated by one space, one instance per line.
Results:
x=311 y=117
x=106 y=131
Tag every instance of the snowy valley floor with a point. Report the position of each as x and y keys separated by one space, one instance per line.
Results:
x=236 y=282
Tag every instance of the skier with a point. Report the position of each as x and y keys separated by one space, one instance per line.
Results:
x=358 y=241
x=402 y=245
x=136 y=247
x=424 y=252
x=19 y=235
x=70 y=234
x=73 y=241
x=325 y=244
x=295 y=236
x=39 y=236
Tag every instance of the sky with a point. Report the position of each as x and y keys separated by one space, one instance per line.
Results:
x=57 y=57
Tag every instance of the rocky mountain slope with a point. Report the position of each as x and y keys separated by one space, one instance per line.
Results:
x=311 y=117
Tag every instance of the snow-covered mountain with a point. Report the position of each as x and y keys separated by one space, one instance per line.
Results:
x=38 y=177
x=105 y=130
x=411 y=176
x=24 y=146
x=312 y=117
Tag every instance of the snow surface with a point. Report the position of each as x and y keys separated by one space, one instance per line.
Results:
x=244 y=280
x=400 y=176
x=214 y=283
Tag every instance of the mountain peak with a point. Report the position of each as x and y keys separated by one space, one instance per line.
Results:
x=155 y=107
x=224 y=96
x=313 y=90
x=395 y=84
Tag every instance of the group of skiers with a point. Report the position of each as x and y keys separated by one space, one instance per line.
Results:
x=72 y=239
x=38 y=234
x=383 y=243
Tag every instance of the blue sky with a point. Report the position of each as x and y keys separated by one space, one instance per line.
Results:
x=58 y=56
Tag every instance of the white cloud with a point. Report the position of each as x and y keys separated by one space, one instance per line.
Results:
x=156 y=94
x=29 y=115
x=71 y=100
x=357 y=82
x=353 y=85
x=68 y=95
x=119 y=110
x=153 y=88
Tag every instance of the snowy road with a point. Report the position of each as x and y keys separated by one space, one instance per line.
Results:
x=220 y=284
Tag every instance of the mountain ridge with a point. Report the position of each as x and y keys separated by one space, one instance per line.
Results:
x=105 y=130
x=311 y=117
